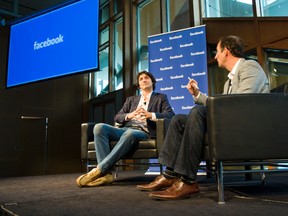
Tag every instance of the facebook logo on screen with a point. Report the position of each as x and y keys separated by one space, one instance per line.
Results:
x=49 y=42
x=60 y=42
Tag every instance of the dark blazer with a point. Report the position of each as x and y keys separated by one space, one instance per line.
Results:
x=158 y=104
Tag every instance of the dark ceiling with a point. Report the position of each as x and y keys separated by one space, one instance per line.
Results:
x=15 y=9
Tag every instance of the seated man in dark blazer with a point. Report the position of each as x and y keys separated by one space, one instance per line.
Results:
x=182 y=147
x=137 y=122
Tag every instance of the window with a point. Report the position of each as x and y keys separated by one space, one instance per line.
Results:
x=148 y=23
x=110 y=74
x=273 y=7
x=99 y=80
x=227 y=8
x=104 y=12
x=177 y=14
x=101 y=77
x=244 y=8
x=118 y=55
x=278 y=66
x=118 y=6
x=104 y=36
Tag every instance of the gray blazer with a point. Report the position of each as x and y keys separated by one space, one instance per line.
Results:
x=249 y=78
x=159 y=104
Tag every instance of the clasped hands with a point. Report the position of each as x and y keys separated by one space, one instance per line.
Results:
x=140 y=114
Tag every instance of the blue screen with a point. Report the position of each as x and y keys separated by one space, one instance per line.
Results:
x=60 y=42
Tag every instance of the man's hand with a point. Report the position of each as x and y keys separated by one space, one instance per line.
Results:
x=144 y=114
x=192 y=87
x=134 y=113
x=140 y=113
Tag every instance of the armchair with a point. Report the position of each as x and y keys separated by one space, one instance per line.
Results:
x=246 y=128
x=145 y=149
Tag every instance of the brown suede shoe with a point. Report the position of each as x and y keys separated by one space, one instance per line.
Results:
x=159 y=183
x=106 y=179
x=179 y=190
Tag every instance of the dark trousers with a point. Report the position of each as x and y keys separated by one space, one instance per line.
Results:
x=183 y=144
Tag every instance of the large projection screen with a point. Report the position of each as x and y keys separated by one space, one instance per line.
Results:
x=62 y=41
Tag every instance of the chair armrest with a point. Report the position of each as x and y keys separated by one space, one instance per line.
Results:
x=247 y=127
x=161 y=129
x=280 y=89
x=86 y=136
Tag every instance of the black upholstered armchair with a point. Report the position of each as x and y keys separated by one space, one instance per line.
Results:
x=246 y=129
x=145 y=149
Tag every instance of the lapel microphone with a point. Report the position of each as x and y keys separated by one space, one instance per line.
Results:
x=229 y=87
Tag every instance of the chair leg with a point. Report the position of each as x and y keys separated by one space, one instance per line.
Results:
x=161 y=169
x=116 y=172
x=220 y=183
x=90 y=165
x=262 y=174
x=248 y=176
x=87 y=166
x=209 y=169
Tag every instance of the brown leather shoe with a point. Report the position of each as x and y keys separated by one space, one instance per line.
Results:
x=159 y=183
x=179 y=190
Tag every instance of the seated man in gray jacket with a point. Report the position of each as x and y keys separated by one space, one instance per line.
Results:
x=182 y=147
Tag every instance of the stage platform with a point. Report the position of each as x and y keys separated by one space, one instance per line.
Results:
x=58 y=195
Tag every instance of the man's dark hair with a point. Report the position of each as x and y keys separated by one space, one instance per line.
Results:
x=148 y=74
x=234 y=44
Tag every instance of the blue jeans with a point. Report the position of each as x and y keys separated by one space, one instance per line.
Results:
x=183 y=143
x=126 y=137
